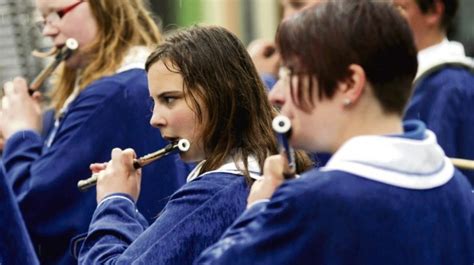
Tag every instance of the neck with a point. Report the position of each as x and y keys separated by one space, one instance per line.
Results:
x=367 y=119
x=429 y=39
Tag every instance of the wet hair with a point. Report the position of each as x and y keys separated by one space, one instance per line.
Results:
x=324 y=40
x=121 y=24
x=218 y=72
x=450 y=9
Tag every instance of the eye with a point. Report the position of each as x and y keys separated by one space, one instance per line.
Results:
x=167 y=100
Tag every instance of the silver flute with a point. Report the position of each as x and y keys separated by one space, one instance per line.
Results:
x=69 y=47
x=182 y=145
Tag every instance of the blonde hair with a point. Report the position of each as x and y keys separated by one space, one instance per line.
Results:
x=121 y=24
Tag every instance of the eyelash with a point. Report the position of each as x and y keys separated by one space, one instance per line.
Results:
x=168 y=100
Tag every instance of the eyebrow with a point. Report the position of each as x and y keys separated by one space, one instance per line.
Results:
x=170 y=93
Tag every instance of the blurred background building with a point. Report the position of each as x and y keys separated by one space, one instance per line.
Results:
x=18 y=38
x=249 y=19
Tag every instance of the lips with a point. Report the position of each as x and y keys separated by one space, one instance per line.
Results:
x=171 y=139
x=59 y=45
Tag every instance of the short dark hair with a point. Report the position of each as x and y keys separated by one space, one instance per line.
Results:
x=323 y=40
x=450 y=9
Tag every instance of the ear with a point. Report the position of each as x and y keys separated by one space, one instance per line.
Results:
x=435 y=14
x=351 y=89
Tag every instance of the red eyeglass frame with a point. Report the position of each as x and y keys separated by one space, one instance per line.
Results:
x=68 y=9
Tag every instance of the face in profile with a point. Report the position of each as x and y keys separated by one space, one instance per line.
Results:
x=63 y=19
x=315 y=129
x=415 y=18
x=171 y=112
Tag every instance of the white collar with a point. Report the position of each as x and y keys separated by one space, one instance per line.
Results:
x=397 y=161
x=229 y=167
x=442 y=53
x=135 y=59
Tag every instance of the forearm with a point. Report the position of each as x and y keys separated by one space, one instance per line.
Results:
x=116 y=223
x=224 y=251
x=20 y=151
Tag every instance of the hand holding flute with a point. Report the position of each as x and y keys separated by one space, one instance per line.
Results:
x=122 y=174
x=21 y=109
x=118 y=175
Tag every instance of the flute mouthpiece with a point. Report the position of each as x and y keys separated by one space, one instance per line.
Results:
x=281 y=124
x=72 y=44
x=183 y=145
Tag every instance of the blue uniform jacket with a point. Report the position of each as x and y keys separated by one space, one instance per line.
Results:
x=193 y=219
x=380 y=200
x=15 y=244
x=111 y=112
x=444 y=100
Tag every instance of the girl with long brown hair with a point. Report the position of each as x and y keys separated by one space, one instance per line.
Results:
x=98 y=96
x=205 y=89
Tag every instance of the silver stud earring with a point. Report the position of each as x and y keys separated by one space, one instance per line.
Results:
x=347 y=102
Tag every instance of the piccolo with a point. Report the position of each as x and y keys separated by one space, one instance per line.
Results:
x=282 y=126
x=182 y=145
x=70 y=46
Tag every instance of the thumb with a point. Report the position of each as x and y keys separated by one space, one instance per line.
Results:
x=274 y=167
x=37 y=96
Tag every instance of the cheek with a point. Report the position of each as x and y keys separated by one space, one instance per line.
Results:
x=86 y=37
x=191 y=130
x=297 y=128
x=185 y=121
x=413 y=18
x=308 y=131
x=85 y=34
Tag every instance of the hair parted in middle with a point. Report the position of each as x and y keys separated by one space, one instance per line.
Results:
x=218 y=71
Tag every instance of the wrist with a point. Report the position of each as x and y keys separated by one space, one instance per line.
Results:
x=116 y=196
x=255 y=202
x=14 y=128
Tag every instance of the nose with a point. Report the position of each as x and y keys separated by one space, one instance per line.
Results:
x=276 y=95
x=157 y=120
x=50 y=30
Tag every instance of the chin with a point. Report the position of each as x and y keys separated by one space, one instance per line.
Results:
x=302 y=145
x=186 y=157
x=74 y=62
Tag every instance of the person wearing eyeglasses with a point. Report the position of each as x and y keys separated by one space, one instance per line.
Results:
x=388 y=195
x=99 y=97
